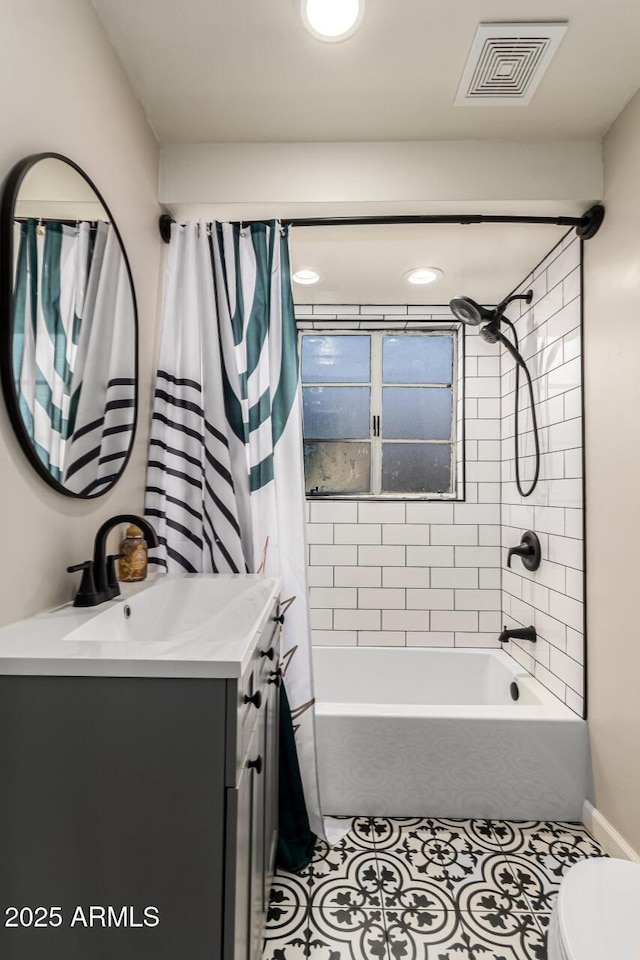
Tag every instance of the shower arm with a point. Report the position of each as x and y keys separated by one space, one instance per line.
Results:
x=502 y=306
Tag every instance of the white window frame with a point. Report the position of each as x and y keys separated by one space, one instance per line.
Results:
x=375 y=385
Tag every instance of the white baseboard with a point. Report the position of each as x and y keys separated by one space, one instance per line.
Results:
x=606 y=835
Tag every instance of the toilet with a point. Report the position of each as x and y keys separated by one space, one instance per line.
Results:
x=597 y=913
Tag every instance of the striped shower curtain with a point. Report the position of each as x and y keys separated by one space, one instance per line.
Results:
x=48 y=292
x=73 y=324
x=225 y=486
x=103 y=415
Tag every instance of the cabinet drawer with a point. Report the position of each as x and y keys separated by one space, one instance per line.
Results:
x=248 y=695
x=255 y=682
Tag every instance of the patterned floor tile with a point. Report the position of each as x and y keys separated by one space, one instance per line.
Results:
x=499 y=888
x=426 y=889
x=391 y=832
x=554 y=845
x=387 y=831
x=435 y=858
x=540 y=854
x=424 y=934
x=282 y=917
x=510 y=834
x=479 y=832
x=511 y=936
x=542 y=920
x=362 y=830
x=465 y=936
x=344 y=875
x=401 y=888
x=311 y=933
x=288 y=888
x=531 y=883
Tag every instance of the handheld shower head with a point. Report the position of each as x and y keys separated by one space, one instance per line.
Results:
x=490 y=333
x=468 y=311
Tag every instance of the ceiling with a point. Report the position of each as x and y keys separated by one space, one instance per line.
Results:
x=365 y=264
x=247 y=70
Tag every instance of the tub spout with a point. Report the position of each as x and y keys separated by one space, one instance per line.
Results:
x=518 y=633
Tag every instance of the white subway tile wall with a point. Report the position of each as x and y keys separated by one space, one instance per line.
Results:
x=550 y=598
x=420 y=573
x=416 y=573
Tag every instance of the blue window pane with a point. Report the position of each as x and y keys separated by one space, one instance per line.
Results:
x=416 y=468
x=337 y=467
x=416 y=413
x=417 y=359
x=335 y=413
x=335 y=359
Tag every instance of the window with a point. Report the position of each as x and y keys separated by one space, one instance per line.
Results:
x=378 y=412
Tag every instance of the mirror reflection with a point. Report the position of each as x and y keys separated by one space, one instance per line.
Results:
x=73 y=331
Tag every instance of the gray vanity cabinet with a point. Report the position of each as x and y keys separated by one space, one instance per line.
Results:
x=252 y=807
x=137 y=792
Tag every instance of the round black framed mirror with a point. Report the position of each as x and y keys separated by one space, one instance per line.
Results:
x=69 y=327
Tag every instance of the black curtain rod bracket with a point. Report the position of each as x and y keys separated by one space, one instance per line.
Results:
x=586 y=226
x=164 y=225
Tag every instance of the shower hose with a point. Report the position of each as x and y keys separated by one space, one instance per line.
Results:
x=521 y=363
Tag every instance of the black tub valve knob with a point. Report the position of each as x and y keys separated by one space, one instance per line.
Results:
x=528 y=550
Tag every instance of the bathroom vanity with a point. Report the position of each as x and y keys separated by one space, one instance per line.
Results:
x=138 y=774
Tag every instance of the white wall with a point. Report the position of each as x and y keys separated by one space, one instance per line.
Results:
x=274 y=177
x=612 y=416
x=64 y=91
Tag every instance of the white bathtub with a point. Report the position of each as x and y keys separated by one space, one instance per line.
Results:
x=433 y=732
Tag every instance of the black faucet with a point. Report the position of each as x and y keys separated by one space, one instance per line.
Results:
x=518 y=633
x=99 y=581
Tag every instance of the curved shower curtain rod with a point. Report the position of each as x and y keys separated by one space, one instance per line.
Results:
x=586 y=226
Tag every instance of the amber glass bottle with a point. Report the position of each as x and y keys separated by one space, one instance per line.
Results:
x=132 y=565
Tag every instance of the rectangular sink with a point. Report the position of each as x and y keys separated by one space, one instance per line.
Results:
x=178 y=610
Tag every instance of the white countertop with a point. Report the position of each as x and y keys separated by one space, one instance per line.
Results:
x=192 y=625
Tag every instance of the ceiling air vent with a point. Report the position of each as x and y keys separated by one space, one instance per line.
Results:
x=507 y=62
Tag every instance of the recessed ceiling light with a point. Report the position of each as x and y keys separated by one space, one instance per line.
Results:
x=332 y=20
x=422 y=275
x=306 y=277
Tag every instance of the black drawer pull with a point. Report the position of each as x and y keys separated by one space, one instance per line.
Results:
x=256 y=699
x=275 y=677
x=268 y=653
x=283 y=606
x=255 y=765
